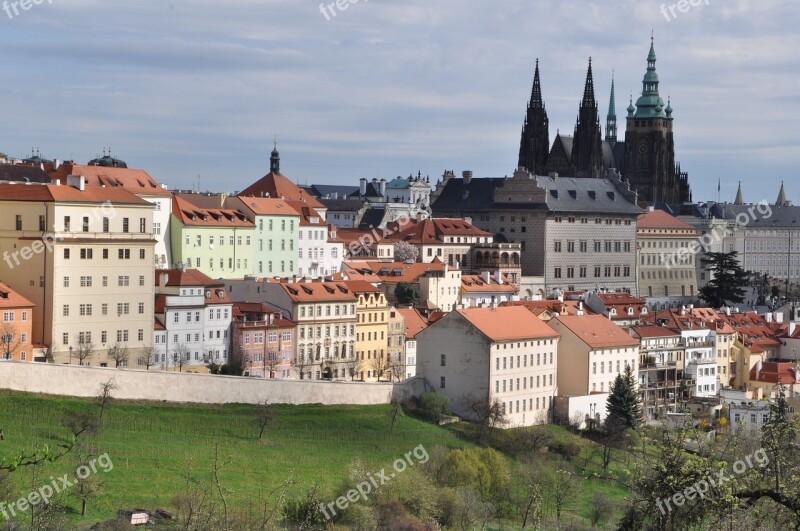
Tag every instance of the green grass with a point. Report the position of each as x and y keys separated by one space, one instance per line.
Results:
x=153 y=445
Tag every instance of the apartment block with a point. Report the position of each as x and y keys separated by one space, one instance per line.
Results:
x=195 y=312
x=372 y=331
x=219 y=242
x=277 y=233
x=592 y=352
x=325 y=314
x=667 y=262
x=263 y=341
x=481 y=356
x=83 y=255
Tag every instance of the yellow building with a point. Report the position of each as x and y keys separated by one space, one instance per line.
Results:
x=372 y=331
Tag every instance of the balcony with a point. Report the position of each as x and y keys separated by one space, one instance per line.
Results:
x=697 y=344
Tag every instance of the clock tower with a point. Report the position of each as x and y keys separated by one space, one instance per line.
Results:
x=649 y=146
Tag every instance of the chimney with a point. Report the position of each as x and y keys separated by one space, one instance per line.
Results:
x=383 y=187
x=362 y=186
x=779 y=317
x=486 y=276
x=162 y=280
x=792 y=327
x=769 y=317
x=498 y=276
x=467 y=175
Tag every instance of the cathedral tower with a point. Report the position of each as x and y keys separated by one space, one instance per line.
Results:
x=535 y=143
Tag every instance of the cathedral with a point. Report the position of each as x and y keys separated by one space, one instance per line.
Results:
x=646 y=158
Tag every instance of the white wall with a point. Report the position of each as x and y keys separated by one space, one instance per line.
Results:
x=65 y=380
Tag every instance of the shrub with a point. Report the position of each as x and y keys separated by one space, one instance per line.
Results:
x=434 y=405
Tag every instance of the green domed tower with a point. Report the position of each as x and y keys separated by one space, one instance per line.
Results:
x=649 y=145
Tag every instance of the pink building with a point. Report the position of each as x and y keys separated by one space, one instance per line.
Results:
x=264 y=340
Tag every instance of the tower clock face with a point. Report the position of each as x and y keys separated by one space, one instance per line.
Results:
x=642 y=148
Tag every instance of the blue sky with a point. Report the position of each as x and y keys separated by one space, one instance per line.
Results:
x=389 y=87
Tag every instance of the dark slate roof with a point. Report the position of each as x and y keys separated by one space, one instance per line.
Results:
x=342 y=205
x=373 y=192
x=373 y=217
x=568 y=194
x=613 y=157
x=329 y=190
x=564 y=194
x=33 y=174
x=761 y=217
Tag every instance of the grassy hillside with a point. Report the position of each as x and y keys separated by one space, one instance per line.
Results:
x=153 y=446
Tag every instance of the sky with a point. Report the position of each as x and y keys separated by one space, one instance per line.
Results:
x=197 y=91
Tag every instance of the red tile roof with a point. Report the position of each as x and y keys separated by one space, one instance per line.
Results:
x=186 y=278
x=263 y=206
x=317 y=291
x=413 y=321
x=68 y=194
x=648 y=331
x=658 y=219
x=278 y=186
x=10 y=299
x=507 y=323
x=476 y=284
x=135 y=181
x=432 y=230
x=775 y=373
x=194 y=216
x=597 y=331
x=553 y=306
x=395 y=272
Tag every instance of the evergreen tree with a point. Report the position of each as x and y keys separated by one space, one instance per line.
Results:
x=624 y=409
x=728 y=282
x=407 y=294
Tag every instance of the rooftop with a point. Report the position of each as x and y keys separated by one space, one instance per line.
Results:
x=507 y=323
x=597 y=331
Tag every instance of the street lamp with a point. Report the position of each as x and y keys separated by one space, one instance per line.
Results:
x=70 y=354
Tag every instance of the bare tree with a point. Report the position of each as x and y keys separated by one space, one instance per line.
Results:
x=148 y=357
x=271 y=362
x=350 y=365
x=85 y=351
x=302 y=362
x=88 y=485
x=487 y=415
x=180 y=356
x=379 y=364
x=562 y=489
x=10 y=338
x=104 y=396
x=395 y=412
x=396 y=367
x=119 y=353
x=265 y=416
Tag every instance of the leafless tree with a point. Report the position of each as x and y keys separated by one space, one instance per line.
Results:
x=104 y=396
x=350 y=365
x=265 y=416
x=379 y=364
x=119 y=354
x=180 y=356
x=11 y=339
x=148 y=357
x=487 y=415
x=87 y=485
x=85 y=351
x=303 y=362
x=271 y=362
x=562 y=489
x=396 y=367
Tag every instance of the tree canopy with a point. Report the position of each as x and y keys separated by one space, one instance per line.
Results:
x=728 y=279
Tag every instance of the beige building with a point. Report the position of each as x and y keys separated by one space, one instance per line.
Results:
x=396 y=346
x=592 y=352
x=325 y=313
x=666 y=267
x=577 y=233
x=84 y=256
x=479 y=356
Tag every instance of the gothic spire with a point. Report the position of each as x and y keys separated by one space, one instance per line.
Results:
x=781 y=201
x=739 y=196
x=536 y=91
x=588 y=89
x=611 y=118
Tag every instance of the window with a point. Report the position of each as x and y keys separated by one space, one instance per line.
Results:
x=141 y=254
x=141 y=308
x=86 y=254
x=123 y=281
x=141 y=280
x=86 y=282
x=442 y=382
x=66 y=224
x=19 y=222
x=85 y=225
x=124 y=254
x=105 y=224
x=66 y=282
x=65 y=310
x=66 y=254
x=125 y=225
x=444 y=360
x=142 y=225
